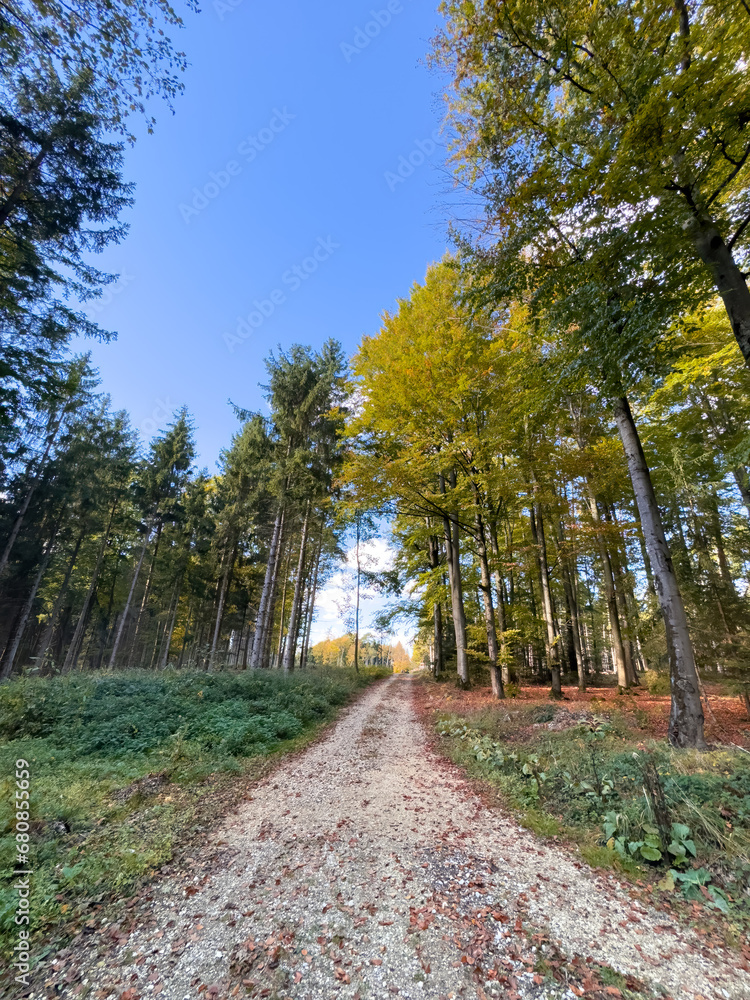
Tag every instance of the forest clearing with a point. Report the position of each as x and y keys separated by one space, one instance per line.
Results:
x=397 y=642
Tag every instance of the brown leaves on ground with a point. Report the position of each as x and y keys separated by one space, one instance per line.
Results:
x=647 y=714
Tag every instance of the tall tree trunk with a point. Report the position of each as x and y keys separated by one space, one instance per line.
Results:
x=727 y=276
x=488 y=607
x=54 y=427
x=572 y=602
x=618 y=650
x=146 y=595
x=10 y=657
x=230 y=555
x=356 y=601
x=311 y=598
x=128 y=602
x=723 y=424
x=265 y=607
x=721 y=553
x=626 y=600
x=282 y=616
x=50 y=627
x=686 y=716
x=433 y=554
x=188 y=624
x=164 y=658
x=743 y=484
x=290 y=653
x=552 y=651
x=453 y=556
x=500 y=588
x=75 y=642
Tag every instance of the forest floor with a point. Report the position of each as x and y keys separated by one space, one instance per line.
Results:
x=368 y=867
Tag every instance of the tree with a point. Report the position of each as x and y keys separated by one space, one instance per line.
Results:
x=121 y=45
x=624 y=121
x=61 y=194
x=306 y=393
x=160 y=490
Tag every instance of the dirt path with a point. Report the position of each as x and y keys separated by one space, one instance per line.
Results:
x=366 y=867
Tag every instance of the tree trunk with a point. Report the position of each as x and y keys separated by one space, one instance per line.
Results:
x=571 y=601
x=17 y=524
x=618 y=651
x=626 y=602
x=743 y=485
x=282 y=615
x=265 y=608
x=453 y=556
x=311 y=599
x=126 y=609
x=728 y=278
x=75 y=642
x=489 y=610
x=433 y=554
x=721 y=553
x=231 y=552
x=164 y=658
x=290 y=653
x=10 y=657
x=356 y=609
x=686 y=716
x=146 y=594
x=552 y=651
x=501 y=623
x=50 y=628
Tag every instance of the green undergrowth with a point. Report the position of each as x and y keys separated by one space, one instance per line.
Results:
x=676 y=820
x=123 y=767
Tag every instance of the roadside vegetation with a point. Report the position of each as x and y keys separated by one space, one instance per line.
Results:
x=595 y=770
x=121 y=767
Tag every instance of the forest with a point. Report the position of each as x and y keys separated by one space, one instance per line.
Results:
x=116 y=559
x=552 y=426
x=525 y=475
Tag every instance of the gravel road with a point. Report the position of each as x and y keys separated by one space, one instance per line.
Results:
x=366 y=867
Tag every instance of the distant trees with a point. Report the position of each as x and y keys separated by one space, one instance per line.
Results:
x=118 y=560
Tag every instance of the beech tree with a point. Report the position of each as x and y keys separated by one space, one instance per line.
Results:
x=622 y=118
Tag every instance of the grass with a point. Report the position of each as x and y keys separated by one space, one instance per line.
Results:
x=124 y=767
x=578 y=772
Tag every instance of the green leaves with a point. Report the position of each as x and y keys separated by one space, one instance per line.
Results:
x=696 y=885
x=650 y=853
x=650 y=847
x=681 y=845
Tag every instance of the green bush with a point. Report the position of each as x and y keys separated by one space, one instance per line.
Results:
x=656 y=683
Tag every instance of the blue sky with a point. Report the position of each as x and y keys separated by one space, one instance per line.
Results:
x=298 y=187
